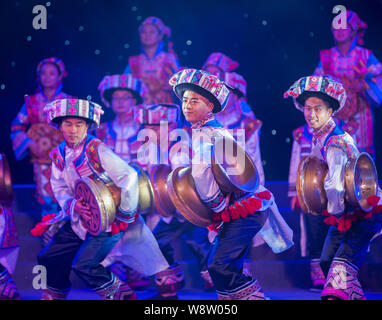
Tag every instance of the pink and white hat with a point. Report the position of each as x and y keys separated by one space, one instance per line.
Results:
x=121 y=81
x=203 y=83
x=236 y=82
x=154 y=114
x=78 y=108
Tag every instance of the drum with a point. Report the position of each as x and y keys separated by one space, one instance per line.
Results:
x=6 y=190
x=310 y=185
x=182 y=192
x=103 y=200
x=232 y=167
x=47 y=138
x=146 y=202
x=361 y=181
x=158 y=177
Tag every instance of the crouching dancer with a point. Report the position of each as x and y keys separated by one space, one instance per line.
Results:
x=238 y=216
x=73 y=247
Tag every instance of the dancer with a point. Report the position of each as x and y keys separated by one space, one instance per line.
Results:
x=350 y=231
x=31 y=135
x=156 y=63
x=238 y=216
x=82 y=155
x=361 y=75
x=174 y=226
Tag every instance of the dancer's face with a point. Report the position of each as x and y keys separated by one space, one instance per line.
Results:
x=122 y=101
x=150 y=35
x=195 y=107
x=73 y=130
x=343 y=35
x=316 y=112
x=50 y=77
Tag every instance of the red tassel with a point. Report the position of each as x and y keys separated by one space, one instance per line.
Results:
x=325 y=213
x=123 y=226
x=264 y=195
x=254 y=204
x=225 y=215
x=373 y=200
x=241 y=210
x=369 y=214
x=48 y=217
x=234 y=213
x=344 y=223
x=115 y=229
x=331 y=220
x=39 y=229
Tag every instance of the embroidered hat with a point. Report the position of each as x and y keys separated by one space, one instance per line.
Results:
x=236 y=82
x=325 y=86
x=357 y=25
x=220 y=60
x=121 y=81
x=202 y=83
x=163 y=29
x=155 y=113
x=63 y=108
x=56 y=61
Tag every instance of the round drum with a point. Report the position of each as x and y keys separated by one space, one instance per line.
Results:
x=102 y=200
x=158 y=178
x=361 y=181
x=46 y=137
x=232 y=167
x=181 y=187
x=6 y=190
x=146 y=200
x=310 y=185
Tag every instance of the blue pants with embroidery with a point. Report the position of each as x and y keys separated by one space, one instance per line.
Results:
x=66 y=252
x=351 y=245
x=229 y=250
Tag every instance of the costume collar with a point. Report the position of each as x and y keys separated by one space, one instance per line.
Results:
x=321 y=134
x=202 y=123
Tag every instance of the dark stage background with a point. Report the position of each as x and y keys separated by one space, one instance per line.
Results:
x=275 y=42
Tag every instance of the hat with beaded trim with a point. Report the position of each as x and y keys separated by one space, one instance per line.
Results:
x=59 y=109
x=110 y=83
x=236 y=82
x=155 y=113
x=324 y=87
x=53 y=60
x=203 y=83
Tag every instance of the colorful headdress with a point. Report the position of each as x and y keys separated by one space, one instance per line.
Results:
x=64 y=108
x=236 y=82
x=357 y=25
x=326 y=86
x=202 y=83
x=163 y=29
x=154 y=114
x=57 y=61
x=124 y=81
x=220 y=60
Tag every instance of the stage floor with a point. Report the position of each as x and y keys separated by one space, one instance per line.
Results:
x=272 y=294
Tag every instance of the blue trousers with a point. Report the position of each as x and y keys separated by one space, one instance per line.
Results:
x=66 y=252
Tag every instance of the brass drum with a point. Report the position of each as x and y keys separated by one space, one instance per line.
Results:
x=361 y=181
x=46 y=137
x=232 y=167
x=310 y=185
x=181 y=187
x=158 y=178
x=146 y=200
x=6 y=190
x=103 y=200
